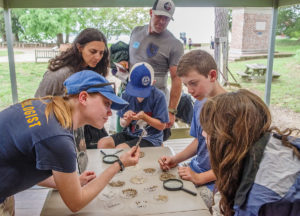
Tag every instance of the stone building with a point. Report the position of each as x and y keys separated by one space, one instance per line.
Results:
x=250 y=31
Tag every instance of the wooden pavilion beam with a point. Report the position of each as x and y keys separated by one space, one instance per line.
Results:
x=136 y=3
x=287 y=2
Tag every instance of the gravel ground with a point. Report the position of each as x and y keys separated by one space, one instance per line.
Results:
x=285 y=118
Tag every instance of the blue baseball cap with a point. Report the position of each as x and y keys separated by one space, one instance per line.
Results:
x=140 y=80
x=91 y=82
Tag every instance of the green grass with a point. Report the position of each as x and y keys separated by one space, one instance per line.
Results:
x=28 y=75
x=287 y=45
x=4 y=52
x=285 y=91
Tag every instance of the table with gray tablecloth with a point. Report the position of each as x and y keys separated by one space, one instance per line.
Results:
x=111 y=200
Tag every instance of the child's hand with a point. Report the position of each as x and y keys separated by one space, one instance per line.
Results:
x=128 y=116
x=186 y=173
x=166 y=163
x=139 y=115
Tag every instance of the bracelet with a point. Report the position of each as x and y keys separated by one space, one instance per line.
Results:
x=122 y=167
x=173 y=111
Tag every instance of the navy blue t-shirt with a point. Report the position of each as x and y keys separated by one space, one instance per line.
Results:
x=31 y=147
x=155 y=106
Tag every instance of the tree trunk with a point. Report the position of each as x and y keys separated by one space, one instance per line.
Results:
x=67 y=38
x=60 y=39
x=221 y=41
x=16 y=37
x=4 y=37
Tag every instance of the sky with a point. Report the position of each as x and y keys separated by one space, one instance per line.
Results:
x=198 y=23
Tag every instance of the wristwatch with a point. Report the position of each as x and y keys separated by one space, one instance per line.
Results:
x=173 y=111
x=122 y=167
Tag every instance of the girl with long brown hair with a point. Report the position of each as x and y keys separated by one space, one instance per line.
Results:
x=253 y=164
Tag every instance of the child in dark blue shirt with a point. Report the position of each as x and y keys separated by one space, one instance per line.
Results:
x=147 y=110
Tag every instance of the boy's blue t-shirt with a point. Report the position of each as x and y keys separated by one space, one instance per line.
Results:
x=30 y=148
x=155 y=106
x=200 y=163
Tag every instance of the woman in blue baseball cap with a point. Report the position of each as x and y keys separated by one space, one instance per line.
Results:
x=37 y=144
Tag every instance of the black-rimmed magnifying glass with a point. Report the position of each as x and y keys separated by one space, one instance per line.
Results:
x=175 y=185
x=110 y=158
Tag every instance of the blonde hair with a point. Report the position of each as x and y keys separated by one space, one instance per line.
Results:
x=59 y=107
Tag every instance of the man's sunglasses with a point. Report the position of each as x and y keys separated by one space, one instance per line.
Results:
x=101 y=85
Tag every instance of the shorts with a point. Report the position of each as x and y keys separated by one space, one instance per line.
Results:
x=7 y=208
x=123 y=137
x=207 y=195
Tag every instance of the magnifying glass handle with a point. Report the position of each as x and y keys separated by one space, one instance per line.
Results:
x=188 y=191
x=118 y=151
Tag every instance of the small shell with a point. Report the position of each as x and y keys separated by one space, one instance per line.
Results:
x=142 y=154
x=137 y=180
x=116 y=183
x=165 y=176
x=129 y=193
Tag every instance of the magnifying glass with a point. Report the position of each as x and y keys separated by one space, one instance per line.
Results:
x=109 y=158
x=175 y=185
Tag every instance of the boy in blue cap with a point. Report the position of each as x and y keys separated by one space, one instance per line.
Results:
x=147 y=110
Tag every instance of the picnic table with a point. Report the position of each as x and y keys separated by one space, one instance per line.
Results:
x=256 y=71
x=111 y=202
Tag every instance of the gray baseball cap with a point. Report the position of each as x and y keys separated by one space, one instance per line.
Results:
x=164 y=8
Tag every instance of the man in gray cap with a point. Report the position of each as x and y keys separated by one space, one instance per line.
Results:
x=154 y=44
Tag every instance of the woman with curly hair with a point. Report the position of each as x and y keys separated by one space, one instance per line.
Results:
x=253 y=164
x=88 y=52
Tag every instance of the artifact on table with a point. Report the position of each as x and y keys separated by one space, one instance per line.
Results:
x=116 y=183
x=129 y=193
x=166 y=175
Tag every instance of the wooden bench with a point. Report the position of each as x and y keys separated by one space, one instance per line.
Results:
x=275 y=75
x=196 y=44
x=45 y=54
x=243 y=75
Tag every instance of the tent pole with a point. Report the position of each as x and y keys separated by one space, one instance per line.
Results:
x=11 y=59
x=271 y=53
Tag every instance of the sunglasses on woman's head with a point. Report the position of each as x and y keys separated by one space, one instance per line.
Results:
x=101 y=85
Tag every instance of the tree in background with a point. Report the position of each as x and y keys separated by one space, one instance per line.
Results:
x=289 y=21
x=16 y=26
x=114 y=21
x=221 y=34
x=48 y=24
x=38 y=25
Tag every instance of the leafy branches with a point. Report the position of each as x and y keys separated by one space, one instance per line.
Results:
x=36 y=25
x=289 y=21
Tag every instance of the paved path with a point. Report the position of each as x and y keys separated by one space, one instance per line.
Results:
x=28 y=54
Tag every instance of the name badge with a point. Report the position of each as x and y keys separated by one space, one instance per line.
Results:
x=136 y=44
